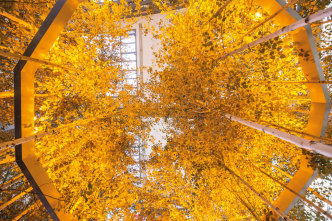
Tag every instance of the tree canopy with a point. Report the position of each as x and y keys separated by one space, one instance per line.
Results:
x=211 y=168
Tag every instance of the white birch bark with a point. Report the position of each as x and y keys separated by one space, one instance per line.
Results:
x=311 y=145
x=300 y=23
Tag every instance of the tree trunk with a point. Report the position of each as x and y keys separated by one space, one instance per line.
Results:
x=275 y=209
x=16 y=19
x=296 y=193
x=311 y=145
x=303 y=22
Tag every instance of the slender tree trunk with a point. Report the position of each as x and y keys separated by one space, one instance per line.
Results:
x=295 y=193
x=26 y=58
x=8 y=159
x=12 y=181
x=300 y=23
x=292 y=82
x=3 y=206
x=271 y=17
x=8 y=94
x=275 y=209
x=311 y=145
x=16 y=19
x=310 y=189
x=251 y=210
x=298 y=132
x=9 y=144
x=32 y=207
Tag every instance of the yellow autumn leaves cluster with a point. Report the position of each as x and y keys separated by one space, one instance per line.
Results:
x=191 y=91
x=89 y=162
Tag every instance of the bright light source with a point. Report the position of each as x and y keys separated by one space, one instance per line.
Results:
x=258 y=15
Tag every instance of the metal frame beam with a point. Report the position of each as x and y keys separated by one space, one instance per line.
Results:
x=48 y=33
x=24 y=107
x=320 y=107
